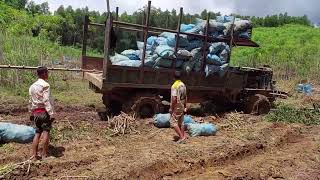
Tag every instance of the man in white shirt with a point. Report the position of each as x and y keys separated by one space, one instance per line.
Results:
x=41 y=108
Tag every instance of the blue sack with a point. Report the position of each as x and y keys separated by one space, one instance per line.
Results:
x=131 y=54
x=128 y=63
x=165 y=51
x=152 y=40
x=186 y=27
x=201 y=129
x=188 y=119
x=213 y=59
x=244 y=35
x=305 y=88
x=163 y=120
x=16 y=133
x=167 y=63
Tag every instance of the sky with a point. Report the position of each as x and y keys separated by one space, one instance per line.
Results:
x=243 y=7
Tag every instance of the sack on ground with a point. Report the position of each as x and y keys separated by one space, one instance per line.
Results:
x=163 y=120
x=196 y=129
x=16 y=133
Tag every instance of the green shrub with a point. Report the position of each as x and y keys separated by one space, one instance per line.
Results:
x=290 y=114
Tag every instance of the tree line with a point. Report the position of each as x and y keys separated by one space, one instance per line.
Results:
x=65 y=25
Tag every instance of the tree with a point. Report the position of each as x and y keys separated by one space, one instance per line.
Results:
x=17 y=4
x=45 y=8
x=33 y=8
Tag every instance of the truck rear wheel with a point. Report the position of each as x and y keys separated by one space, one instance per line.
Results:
x=257 y=104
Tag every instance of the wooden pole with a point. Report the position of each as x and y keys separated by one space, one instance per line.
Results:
x=205 y=44
x=107 y=45
x=231 y=38
x=145 y=42
x=49 y=68
x=108 y=6
x=173 y=66
x=126 y=26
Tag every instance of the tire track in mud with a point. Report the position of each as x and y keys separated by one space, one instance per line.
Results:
x=50 y=168
x=272 y=136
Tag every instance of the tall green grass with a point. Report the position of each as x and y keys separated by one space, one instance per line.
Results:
x=293 y=50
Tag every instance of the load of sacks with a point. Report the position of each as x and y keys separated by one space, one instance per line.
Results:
x=193 y=128
x=160 y=49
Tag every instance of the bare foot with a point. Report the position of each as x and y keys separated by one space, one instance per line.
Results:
x=181 y=141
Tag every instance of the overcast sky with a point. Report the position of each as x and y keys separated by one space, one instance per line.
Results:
x=243 y=7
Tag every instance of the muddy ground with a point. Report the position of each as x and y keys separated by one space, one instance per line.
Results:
x=245 y=147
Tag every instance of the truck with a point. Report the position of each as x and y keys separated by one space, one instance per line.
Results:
x=146 y=91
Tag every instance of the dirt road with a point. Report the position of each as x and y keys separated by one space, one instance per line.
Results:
x=246 y=147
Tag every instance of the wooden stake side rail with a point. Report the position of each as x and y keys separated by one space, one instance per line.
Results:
x=157 y=30
x=49 y=68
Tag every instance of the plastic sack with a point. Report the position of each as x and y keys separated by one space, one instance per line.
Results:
x=16 y=133
x=213 y=25
x=188 y=66
x=117 y=58
x=129 y=63
x=152 y=40
x=165 y=51
x=242 y=25
x=244 y=35
x=224 y=56
x=150 y=60
x=140 y=46
x=167 y=63
x=201 y=129
x=131 y=54
x=194 y=44
x=163 y=120
x=184 y=54
x=305 y=88
x=218 y=47
x=186 y=27
x=161 y=41
x=188 y=120
x=183 y=41
x=224 y=19
x=171 y=39
x=213 y=59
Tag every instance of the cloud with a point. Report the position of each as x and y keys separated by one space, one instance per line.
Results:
x=243 y=7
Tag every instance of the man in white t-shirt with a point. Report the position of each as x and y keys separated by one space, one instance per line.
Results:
x=42 y=111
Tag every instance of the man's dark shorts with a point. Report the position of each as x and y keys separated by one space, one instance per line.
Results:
x=42 y=122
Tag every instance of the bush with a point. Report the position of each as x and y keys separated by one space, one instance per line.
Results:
x=289 y=114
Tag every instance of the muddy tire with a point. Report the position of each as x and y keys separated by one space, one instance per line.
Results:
x=144 y=105
x=257 y=104
x=113 y=107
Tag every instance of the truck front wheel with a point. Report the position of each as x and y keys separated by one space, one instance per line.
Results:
x=144 y=106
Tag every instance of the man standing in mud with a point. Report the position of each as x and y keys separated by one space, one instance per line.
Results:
x=178 y=107
x=41 y=108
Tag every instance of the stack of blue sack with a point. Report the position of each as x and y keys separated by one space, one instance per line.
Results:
x=194 y=129
x=160 y=49
x=16 y=133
